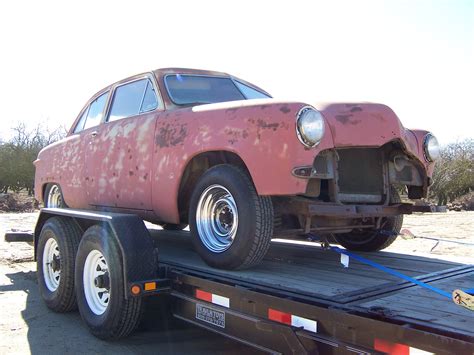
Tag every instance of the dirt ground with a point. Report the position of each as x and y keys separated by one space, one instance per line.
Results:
x=27 y=326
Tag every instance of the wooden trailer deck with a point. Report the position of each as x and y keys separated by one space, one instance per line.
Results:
x=313 y=275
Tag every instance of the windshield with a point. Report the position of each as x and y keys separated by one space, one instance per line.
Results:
x=193 y=89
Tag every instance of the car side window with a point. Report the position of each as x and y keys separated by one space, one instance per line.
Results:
x=132 y=99
x=96 y=111
x=82 y=120
x=250 y=93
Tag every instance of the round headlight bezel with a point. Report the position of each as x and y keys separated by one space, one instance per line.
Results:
x=426 y=142
x=302 y=138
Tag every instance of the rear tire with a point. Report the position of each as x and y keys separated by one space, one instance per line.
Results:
x=56 y=250
x=53 y=197
x=377 y=239
x=100 y=287
x=231 y=225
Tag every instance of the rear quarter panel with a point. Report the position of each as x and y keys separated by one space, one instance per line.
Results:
x=63 y=163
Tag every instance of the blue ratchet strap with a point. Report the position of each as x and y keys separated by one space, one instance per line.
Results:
x=470 y=291
x=393 y=272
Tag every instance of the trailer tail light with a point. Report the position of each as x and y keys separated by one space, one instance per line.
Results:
x=135 y=289
x=150 y=286
x=294 y=321
x=397 y=348
x=213 y=298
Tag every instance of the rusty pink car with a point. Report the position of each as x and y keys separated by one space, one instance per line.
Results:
x=182 y=146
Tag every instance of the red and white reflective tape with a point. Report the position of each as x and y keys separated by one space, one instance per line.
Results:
x=213 y=298
x=397 y=348
x=291 y=319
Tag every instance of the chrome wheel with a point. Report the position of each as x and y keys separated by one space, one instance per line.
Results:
x=51 y=265
x=217 y=218
x=54 y=198
x=96 y=282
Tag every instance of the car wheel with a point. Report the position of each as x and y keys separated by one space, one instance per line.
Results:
x=56 y=250
x=376 y=239
x=100 y=287
x=174 y=227
x=231 y=225
x=54 y=197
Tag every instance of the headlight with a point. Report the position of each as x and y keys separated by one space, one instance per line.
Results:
x=309 y=126
x=431 y=147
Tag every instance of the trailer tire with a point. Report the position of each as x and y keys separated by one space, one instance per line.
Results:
x=56 y=250
x=108 y=314
x=231 y=225
x=374 y=240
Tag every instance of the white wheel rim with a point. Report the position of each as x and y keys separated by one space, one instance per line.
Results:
x=51 y=265
x=97 y=294
x=217 y=218
x=55 y=200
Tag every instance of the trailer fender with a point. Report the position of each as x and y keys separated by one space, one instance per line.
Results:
x=139 y=256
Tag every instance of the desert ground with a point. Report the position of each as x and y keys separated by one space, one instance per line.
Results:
x=27 y=326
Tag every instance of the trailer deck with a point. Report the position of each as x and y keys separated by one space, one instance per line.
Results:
x=311 y=274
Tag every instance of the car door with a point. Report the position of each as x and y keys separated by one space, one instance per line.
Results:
x=120 y=154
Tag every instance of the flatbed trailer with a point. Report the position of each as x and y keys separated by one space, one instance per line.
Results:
x=300 y=299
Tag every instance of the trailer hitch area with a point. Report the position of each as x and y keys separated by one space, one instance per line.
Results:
x=149 y=287
x=19 y=236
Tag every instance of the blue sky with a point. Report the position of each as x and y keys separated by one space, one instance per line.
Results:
x=415 y=56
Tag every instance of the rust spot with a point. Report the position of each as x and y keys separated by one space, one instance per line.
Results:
x=285 y=109
x=87 y=178
x=356 y=109
x=263 y=107
x=145 y=176
x=136 y=167
x=118 y=196
x=232 y=109
x=130 y=157
x=114 y=174
x=170 y=136
x=235 y=134
x=344 y=119
x=262 y=124
x=130 y=173
x=129 y=150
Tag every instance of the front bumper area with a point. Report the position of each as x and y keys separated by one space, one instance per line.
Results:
x=310 y=208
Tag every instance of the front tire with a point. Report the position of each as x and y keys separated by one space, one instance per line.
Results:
x=57 y=247
x=174 y=227
x=231 y=225
x=100 y=287
x=376 y=239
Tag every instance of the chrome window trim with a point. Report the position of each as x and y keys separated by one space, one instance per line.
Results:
x=198 y=75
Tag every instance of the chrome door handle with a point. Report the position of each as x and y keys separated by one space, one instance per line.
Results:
x=94 y=134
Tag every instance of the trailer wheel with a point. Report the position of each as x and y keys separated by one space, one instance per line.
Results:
x=54 y=197
x=377 y=239
x=231 y=225
x=174 y=227
x=56 y=250
x=100 y=287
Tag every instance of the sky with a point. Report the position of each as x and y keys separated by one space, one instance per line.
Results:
x=415 y=56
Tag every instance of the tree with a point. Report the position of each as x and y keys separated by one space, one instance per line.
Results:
x=454 y=172
x=17 y=171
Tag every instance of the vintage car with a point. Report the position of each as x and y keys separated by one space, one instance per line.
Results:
x=190 y=147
